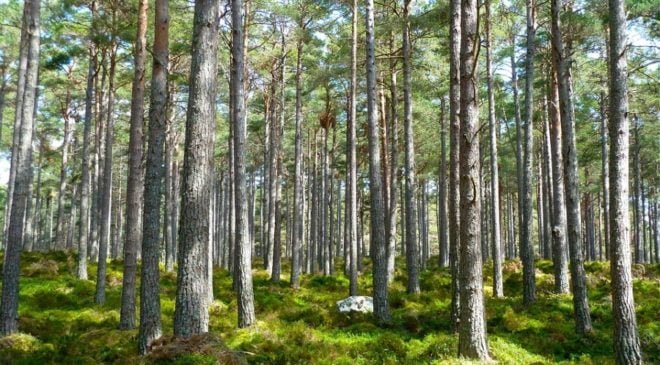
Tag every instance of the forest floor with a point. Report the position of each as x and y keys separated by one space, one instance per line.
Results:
x=60 y=324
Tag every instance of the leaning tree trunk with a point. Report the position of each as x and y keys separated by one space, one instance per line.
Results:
x=472 y=326
x=11 y=269
x=378 y=241
x=498 y=289
x=412 y=255
x=578 y=275
x=135 y=183
x=454 y=168
x=626 y=340
x=526 y=244
x=150 y=326
x=191 y=314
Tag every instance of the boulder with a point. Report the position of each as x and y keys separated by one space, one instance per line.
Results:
x=356 y=304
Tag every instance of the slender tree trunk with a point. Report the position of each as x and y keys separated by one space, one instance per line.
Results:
x=526 y=244
x=443 y=229
x=106 y=192
x=85 y=188
x=377 y=232
x=246 y=316
x=30 y=32
x=191 y=315
x=559 y=244
x=351 y=206
x=150 y=326
x=412 y=260
x=3 y=94
x=472 y=328
x=626 y=340
x=547 y=183
x=637 y=195
x=393 y=133
x=60 y=237
x=454 y=167
x=298 y=193
x=517 y=117
x=498 y=290
x=135 y=184
x=578 y=275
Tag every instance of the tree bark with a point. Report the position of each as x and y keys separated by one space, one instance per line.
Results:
x=135 y=183
x=626 y=340
x=191 y=315
x=30 y=32
x=526 y=244
x=351 y=206
x=378 y=241
x=85 y=188
x=150 y=326
x=559 y=244
x=298 y=221
x=60 y=236
x=578 y=275
x=246 y=316
x=454 y=167
x=443 y=229
x=498 y=290
x=472 y=327
x=412 y=259
x=106 y=189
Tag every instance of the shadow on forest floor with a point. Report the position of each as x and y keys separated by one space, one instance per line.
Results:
x=60 y=324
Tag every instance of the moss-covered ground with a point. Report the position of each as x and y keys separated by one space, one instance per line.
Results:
x=60 y=324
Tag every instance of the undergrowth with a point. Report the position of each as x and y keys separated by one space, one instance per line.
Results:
x=60 y=324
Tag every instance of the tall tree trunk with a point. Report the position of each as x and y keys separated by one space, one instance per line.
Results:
x=3 y=93
x=443 y=229
x=30 y=34
x=605 y=178
x=626 y=340
x=191 y=315
x=454 y=167
x=578 y=275
x=60 y=235
x=135 y=182
x=559 y=244
x=638 y=207
x=106 y=192
x=150 y=326
x=351 y=206
x=472 y=327
x=85 y=189
x=298 y=198
x=518 y=122
x=246 y=316
x=498 y=290
x=394 y=164
x=412 y=259
x=526 y=244
x=378 y=242
x=23 y=67
x=547 y=182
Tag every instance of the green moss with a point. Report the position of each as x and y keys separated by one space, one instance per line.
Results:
x=60 y=323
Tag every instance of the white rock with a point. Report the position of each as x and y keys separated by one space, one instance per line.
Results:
x=356 y=304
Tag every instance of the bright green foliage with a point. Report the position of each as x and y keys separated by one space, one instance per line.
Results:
x=60 y=324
